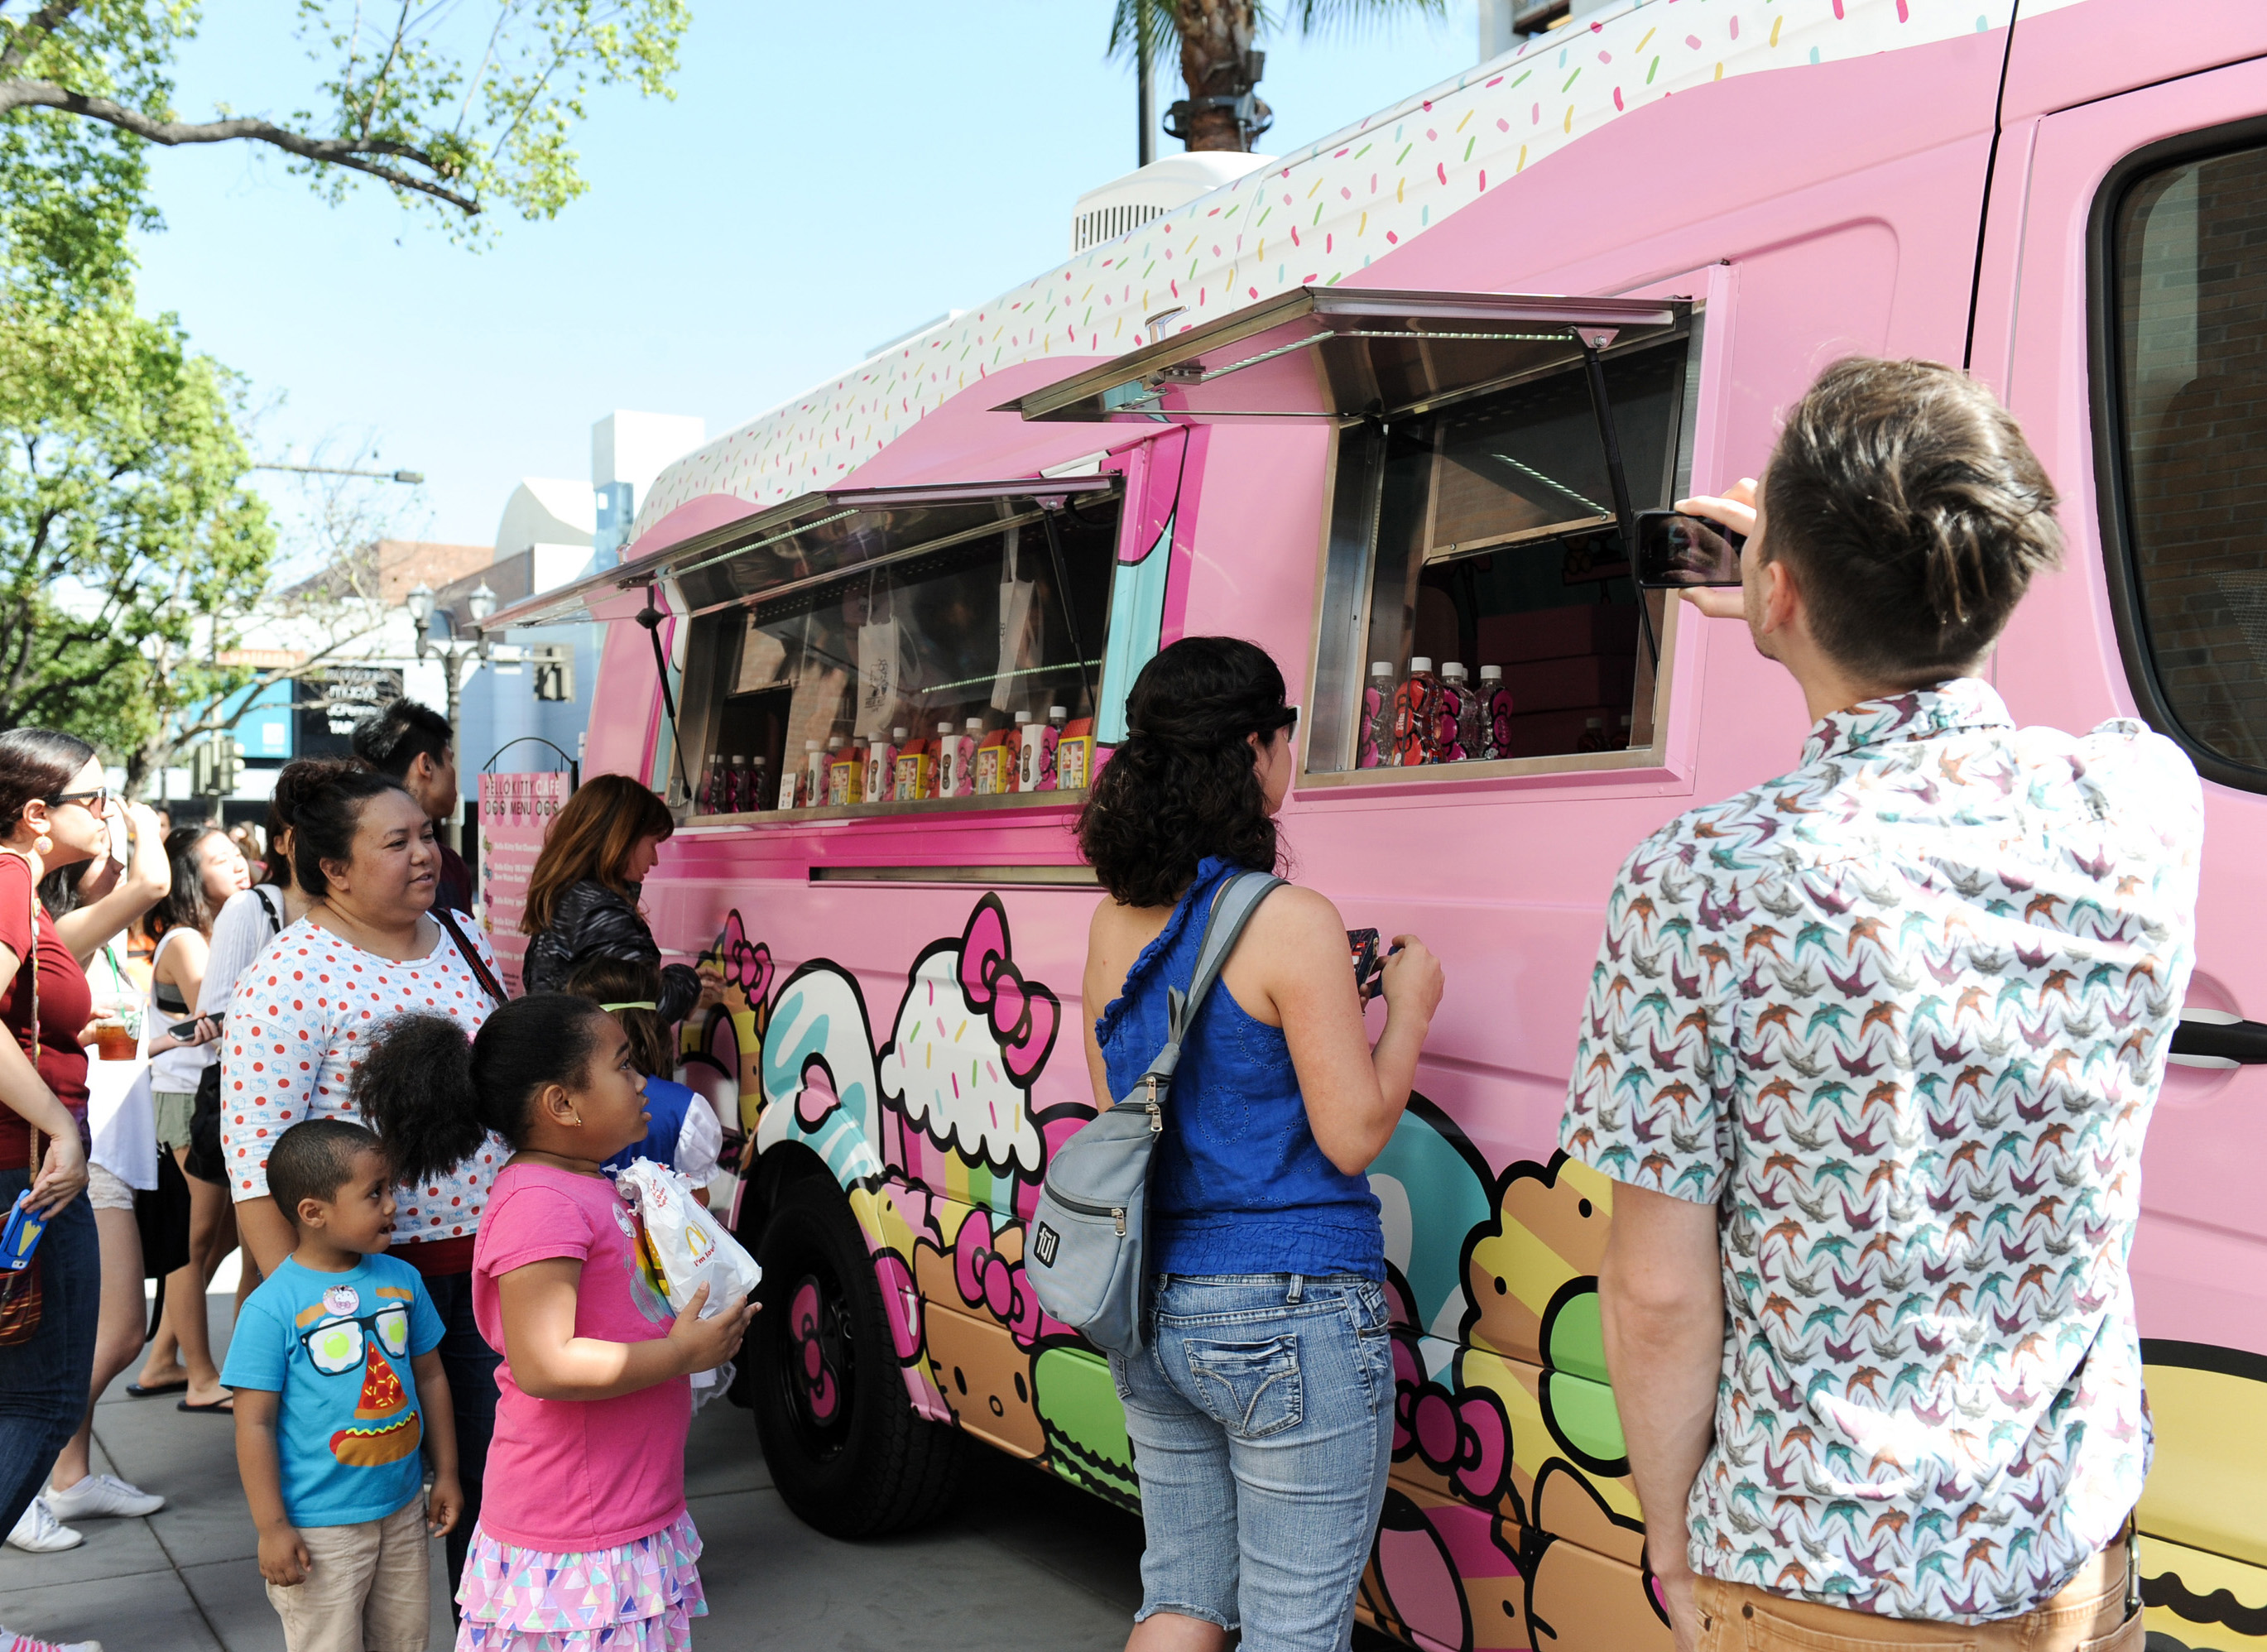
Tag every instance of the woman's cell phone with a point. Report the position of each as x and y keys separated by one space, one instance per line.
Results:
x=21 y=1237
x=1676 y=549
x=189 y=1029
x=1368 y=963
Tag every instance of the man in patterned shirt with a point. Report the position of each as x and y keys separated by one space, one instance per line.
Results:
x=1871 y=1048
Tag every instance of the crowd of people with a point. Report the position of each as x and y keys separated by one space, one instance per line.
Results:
x=412 y=1162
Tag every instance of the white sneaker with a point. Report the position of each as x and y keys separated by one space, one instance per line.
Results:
x=102 y=1495
x=39 y=1533
x=11 y=1641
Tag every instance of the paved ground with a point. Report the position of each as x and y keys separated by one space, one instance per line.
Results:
x=1023 y=1562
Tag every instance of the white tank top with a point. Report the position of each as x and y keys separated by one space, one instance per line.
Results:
x=173 y=1071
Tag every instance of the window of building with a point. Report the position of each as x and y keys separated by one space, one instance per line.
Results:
x=2189 y=289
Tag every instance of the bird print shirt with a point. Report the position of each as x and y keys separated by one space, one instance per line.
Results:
x=1901 y=1015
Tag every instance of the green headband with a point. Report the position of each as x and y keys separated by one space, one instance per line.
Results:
x=642 y=1004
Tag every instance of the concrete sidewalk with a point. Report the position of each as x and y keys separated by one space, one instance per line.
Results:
x=1023 y=1562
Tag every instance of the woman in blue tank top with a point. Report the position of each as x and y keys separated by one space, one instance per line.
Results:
x=1261 y=1404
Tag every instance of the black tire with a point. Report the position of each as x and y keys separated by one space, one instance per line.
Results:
x=847 y=1451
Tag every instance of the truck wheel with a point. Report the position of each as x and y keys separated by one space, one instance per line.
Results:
x=845 y=1449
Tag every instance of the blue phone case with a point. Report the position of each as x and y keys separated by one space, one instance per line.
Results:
x=21 y=1236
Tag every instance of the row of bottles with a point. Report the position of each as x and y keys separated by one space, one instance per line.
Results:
x=1426 y=718
x=969 y=761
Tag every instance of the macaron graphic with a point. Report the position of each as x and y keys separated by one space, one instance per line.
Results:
x=1085 y=1425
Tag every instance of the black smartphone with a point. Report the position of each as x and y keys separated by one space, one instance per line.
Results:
x=189 y=1029
x=1675 y=549
x=1368 y=963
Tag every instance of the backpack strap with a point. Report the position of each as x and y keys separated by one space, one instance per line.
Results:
x=1239 y=897
x=275 y=914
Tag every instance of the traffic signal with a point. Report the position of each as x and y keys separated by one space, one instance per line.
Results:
x=216 y=766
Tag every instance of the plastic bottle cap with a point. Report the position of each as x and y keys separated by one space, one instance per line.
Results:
x=976 y=725
x=896 y=734
x=1490 y=673
x=1056 y=711
x=1421 y=663
x=736 y=758
x=810 y=745
x=1381 y=668
x=1023 y=716
x=1454 y=669
x=944 y=728
x=1594 y=722
x=763 y=762
x=834 y=742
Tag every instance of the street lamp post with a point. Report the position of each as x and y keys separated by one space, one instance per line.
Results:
x=459 y=661
x=411 y=478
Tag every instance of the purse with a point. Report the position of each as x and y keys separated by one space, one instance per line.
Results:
x=21 y=1296
x=1088 y=1259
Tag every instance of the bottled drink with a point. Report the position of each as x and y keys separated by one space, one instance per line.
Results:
x=1040 y=741
x=739 y=793
x=1450 y=724
x=714 y=783
x=1622 y=733
x=838 y=771
x=1495 y=714
x=1375 y=740
x=948 y=762
x=964 y=756
x=760 y=785
x=882 y=768
x=1416 y=713
x=812 y=791
x=1594 y=735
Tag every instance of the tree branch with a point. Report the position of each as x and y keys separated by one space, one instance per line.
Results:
x=37 y=27
x=353 y=154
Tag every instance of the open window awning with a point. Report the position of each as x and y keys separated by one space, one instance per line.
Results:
x=1346 y=353
x=818 y=536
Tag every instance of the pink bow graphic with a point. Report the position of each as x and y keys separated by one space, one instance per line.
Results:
x=1464 y=1438
x=1024 y=1015
x=745 y=966
x=987 y=1280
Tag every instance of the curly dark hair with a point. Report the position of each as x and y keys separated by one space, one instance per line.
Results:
x=1185 y=784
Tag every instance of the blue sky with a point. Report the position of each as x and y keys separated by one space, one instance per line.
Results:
x=828 y=178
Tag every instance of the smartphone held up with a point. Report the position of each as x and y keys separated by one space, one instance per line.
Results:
x=1676 y=550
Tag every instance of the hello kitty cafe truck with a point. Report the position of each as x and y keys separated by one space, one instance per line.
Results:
x=1313 y=409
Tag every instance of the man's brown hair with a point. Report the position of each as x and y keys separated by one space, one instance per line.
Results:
x=1913 y=513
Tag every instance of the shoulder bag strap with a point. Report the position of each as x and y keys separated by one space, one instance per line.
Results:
x=274 y=914
x=480 y=970
x=32 y=1045
x=1232 y=908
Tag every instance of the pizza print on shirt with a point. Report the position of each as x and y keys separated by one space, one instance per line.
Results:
x=1901 y=1014
x=297 y=1024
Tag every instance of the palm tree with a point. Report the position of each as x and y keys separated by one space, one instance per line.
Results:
x=1220 y=62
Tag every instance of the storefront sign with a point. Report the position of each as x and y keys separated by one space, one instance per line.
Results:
x=332 y=701
x=516 y=811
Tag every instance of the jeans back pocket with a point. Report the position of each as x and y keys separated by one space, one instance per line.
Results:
x=1251 y=1389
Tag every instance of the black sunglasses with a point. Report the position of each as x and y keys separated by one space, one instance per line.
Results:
x=100 y=795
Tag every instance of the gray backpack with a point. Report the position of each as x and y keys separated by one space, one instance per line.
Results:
x=1088 y=1255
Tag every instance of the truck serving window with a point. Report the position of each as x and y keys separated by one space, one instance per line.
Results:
x=2186 y=289
x=807 y=681
x=1475 y=564
x=1476 y=520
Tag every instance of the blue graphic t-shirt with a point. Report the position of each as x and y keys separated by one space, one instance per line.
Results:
x=337 y=1347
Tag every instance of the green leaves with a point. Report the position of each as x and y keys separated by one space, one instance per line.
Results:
x=454 y=106
x=123 y=521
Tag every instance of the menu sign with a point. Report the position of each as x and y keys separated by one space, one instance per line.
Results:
x=516 y=811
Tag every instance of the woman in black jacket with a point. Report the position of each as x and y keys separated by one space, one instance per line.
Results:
x=583 y=897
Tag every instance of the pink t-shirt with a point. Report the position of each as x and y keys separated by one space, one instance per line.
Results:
x=566 y=1475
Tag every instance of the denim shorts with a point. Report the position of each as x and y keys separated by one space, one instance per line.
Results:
x=1261 y=1412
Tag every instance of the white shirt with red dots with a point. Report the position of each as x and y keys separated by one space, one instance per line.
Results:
x=301 y=1018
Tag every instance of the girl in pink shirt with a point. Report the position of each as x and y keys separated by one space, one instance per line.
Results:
x=584 y=1539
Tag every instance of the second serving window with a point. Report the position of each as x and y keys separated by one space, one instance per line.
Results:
x=967 y=671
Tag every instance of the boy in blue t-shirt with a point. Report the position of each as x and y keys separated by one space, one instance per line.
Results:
x=327 y=1432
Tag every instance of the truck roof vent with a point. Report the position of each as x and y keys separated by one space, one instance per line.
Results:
x=1125 y=204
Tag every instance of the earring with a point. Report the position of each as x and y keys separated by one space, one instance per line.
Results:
x=576 y=1119
x=42 y=844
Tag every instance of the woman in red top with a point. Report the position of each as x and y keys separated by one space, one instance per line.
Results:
x=52 y=799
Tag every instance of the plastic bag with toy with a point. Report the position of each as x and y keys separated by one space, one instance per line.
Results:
x=687 y=1247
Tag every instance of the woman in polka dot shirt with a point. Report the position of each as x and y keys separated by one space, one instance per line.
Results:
x=368 y=948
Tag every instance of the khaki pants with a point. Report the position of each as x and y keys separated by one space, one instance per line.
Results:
x=365 y=1588
x=2090 y=1616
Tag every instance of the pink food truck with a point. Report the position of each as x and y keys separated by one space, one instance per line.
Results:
x=1383 y=407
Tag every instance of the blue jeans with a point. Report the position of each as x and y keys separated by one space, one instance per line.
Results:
x=43 y=1381
x=470 y=1365
x=1261 y=1412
